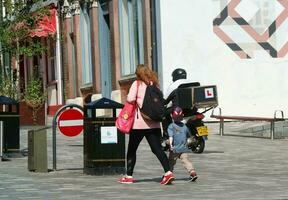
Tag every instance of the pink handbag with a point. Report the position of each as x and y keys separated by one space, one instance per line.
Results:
x=125 y=119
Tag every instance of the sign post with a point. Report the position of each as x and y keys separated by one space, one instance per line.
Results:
x=66 y=124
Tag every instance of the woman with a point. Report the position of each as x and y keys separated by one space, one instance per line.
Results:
x=144 y=128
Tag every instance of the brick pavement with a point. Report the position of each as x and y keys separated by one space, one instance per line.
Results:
x=229 y=168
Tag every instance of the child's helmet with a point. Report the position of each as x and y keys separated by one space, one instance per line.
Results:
x=177 y=114
x=178 y=73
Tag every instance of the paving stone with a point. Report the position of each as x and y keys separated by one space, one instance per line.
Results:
x=229 y=168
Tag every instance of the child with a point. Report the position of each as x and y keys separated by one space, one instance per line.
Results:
x=178 y=133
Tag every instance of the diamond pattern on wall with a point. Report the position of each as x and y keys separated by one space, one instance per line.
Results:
x=263 y=21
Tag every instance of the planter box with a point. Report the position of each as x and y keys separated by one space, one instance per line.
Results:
x=26 y=115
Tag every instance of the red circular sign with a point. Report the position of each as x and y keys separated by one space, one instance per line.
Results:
x=70 y=122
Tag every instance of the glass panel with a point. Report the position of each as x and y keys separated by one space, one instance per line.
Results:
x=124 y=31
x=105 y=57
x=139 y=26
x=131 y=33
x=138 y=31
x=85 y=45
x=71 y=35
x=51 y=61
x=52 y=76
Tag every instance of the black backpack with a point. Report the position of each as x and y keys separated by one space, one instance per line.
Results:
x=153 y=104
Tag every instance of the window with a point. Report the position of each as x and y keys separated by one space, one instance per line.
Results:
x=74 y=71
x=85 y=45
x=51 y=67
x=51 y=61
x=131 y=34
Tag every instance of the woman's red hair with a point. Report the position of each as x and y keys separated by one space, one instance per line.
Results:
x=146 y=75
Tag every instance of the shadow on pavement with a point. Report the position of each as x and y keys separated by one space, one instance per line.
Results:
x=208 y=152
x=148 y=180
x=72 y=169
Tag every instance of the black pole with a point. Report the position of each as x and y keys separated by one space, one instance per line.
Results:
x=1 y=139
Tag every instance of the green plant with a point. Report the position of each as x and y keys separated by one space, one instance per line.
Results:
x=9 y=88
x=16 y=27
x=35 y=96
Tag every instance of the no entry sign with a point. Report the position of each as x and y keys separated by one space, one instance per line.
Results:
x=70 y=122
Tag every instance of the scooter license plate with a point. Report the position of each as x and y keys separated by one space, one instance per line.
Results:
x=202 y=130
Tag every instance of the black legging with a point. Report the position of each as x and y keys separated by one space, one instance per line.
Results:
x=153 y=137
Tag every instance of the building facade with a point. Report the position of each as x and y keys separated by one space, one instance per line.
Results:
x=240 y=46
x=102 y=43
x=93 y=52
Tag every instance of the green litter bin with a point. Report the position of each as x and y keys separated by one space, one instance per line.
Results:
x=104 y=145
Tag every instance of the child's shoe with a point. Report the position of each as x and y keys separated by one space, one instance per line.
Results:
x=126 y=180
x=193 y=176
x=167 y=179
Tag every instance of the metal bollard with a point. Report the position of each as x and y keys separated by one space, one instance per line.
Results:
x=1 y=140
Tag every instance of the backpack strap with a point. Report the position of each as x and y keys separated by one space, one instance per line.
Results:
x=136 y=98
x=137 y=83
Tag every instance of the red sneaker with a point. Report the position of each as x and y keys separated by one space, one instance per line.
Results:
x=126 y=180
x=193 y=176
x=167 y=179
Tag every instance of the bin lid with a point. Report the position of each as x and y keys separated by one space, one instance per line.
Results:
x=104 y=103
x=7 y=100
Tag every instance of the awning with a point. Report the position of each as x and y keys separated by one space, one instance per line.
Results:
x=46 y=26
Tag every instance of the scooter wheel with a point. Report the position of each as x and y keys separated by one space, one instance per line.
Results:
x=199 y=146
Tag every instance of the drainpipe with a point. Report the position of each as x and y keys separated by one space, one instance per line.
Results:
x=58 y=60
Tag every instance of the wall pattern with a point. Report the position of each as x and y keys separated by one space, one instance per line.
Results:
x=254 y=28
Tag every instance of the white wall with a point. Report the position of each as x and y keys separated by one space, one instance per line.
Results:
x=253 y=87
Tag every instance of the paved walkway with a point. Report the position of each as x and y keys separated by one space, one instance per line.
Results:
x=230 y=168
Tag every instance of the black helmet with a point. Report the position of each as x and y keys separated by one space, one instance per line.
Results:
x=178 y=74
